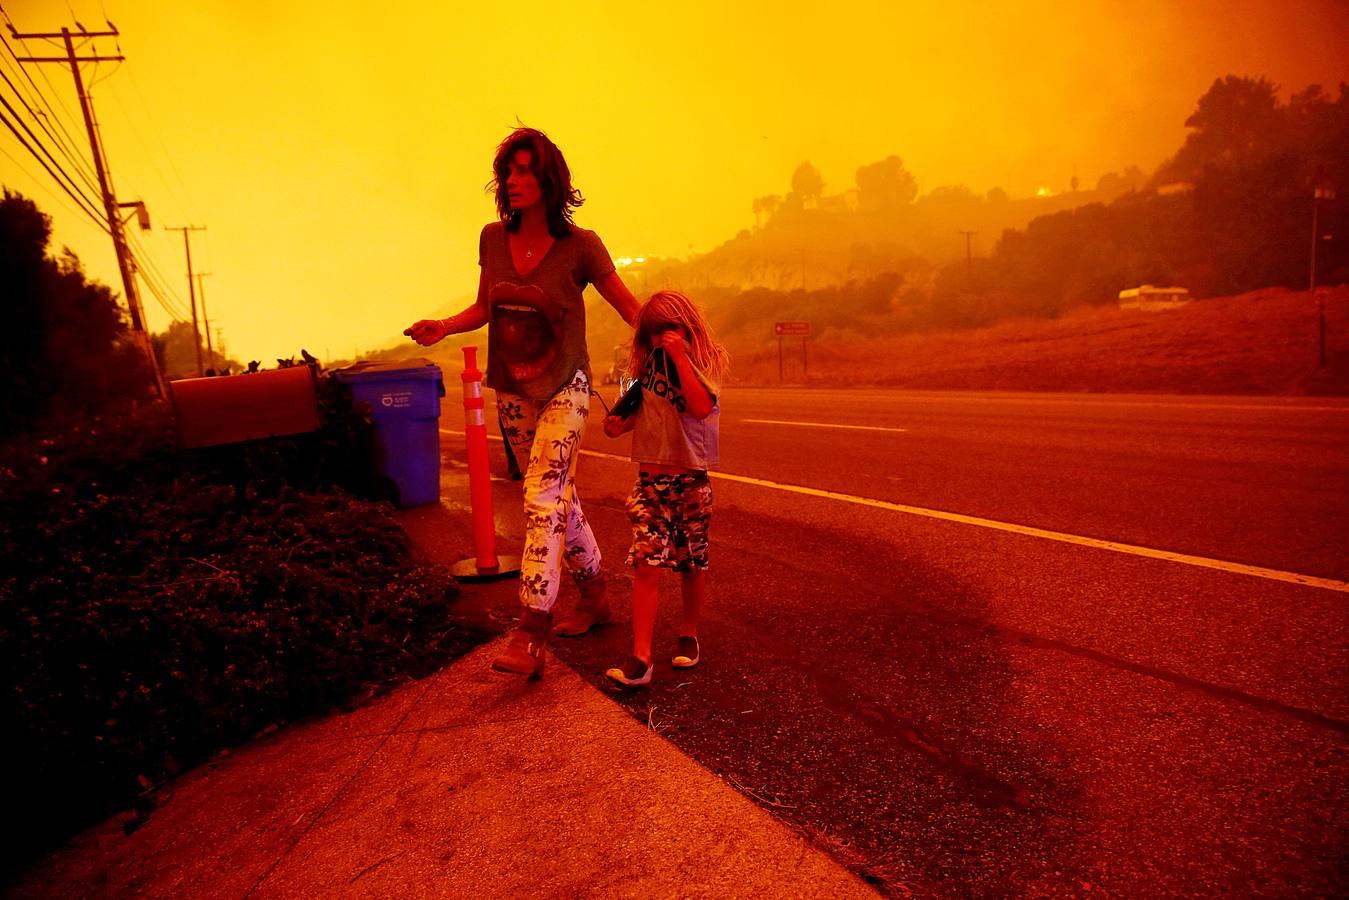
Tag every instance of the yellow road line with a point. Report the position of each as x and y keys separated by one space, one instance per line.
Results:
x=1328 y=584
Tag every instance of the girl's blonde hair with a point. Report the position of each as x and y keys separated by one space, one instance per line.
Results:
x=673 y=307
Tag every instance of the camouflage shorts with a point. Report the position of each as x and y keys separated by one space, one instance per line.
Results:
x=669 y=516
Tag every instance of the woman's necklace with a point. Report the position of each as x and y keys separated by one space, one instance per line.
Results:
x=530 y=247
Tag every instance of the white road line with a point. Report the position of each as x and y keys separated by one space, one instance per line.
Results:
x=1328 y=584
x=1093 y=400
x=822 y=425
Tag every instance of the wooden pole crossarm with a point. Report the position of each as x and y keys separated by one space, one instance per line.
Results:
x=66 y=59
x=53 y=35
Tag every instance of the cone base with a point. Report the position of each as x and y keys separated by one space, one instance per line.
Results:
x=469 y=570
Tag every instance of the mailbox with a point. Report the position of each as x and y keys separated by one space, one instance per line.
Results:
x=234 y=408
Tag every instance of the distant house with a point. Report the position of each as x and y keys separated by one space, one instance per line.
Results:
x=1152 y=298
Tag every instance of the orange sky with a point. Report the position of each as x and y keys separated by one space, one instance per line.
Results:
x=337 y=152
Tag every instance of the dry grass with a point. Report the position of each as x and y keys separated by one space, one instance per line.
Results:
x=1263 y=342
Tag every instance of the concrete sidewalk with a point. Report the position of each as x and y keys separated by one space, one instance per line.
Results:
x=467 y=783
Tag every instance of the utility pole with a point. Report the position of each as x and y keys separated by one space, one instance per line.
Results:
x=191 y=286
x=1319 y=194
x=111 y=207
x=205 y=319
x=969 y=254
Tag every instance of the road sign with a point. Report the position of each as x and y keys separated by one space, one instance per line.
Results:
x=791 y=329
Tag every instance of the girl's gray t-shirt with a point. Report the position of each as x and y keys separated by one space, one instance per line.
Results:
x=662 y=432
x=536 y=335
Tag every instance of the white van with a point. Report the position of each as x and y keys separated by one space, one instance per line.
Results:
x=1152 y=298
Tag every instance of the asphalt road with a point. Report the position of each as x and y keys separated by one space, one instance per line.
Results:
x=982 y=645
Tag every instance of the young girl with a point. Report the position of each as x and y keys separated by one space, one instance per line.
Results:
x=678 y=365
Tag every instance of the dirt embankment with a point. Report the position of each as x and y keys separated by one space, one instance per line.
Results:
x=1264 y=342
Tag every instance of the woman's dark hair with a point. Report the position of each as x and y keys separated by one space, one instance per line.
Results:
x=549 y=167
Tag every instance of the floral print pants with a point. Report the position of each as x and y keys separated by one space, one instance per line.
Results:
x=548 y=433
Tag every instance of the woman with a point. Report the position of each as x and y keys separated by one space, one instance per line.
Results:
x=535 y=265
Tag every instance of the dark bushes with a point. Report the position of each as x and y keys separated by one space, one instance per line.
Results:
x=148 y=617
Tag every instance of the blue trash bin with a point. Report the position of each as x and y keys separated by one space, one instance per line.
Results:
x=404 y=400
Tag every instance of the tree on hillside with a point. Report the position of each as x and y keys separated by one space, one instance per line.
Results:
x=1115 y=184
x=1321 y=128
x=1237 y=120
x=951 y=193
x=65 y=350
x=807 y=184
x=176 y=348
x=765 y=208
x=1253 y=166
x=885 y=186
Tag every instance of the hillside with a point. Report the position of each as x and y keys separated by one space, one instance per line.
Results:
x=837 y=242
x=1264 y=342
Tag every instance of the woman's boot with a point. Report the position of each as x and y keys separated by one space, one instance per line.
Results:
x=591 y=610
x=524 y=654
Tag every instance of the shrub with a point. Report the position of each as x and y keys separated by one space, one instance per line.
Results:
x=148 y=617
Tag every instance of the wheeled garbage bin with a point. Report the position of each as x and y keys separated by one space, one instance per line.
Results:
x=404 y=400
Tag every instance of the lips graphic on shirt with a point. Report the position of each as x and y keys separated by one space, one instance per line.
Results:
x=528 y=325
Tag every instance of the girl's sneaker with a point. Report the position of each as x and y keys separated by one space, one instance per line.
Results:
x=633 y=673
x=686 y=654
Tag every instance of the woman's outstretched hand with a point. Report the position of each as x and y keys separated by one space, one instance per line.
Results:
x=428 y=331
x=613 y=426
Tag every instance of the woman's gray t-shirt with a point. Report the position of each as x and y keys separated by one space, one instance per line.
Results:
x=536 y=335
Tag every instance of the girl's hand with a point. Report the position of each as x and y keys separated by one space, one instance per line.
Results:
x=613 y=426
x=428 y=331
x=674 y=344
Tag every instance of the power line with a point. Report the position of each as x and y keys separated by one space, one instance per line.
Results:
x=76 y=163
x=184 y=200
x=77 y=198
x=154 y=268
x=175 y=314
x=40 y=183
x=41 y=117
x=148 y=154
x=36 y=140
x=54 y=115
x=151 y=274
x=159 y=136
x=167 y=297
